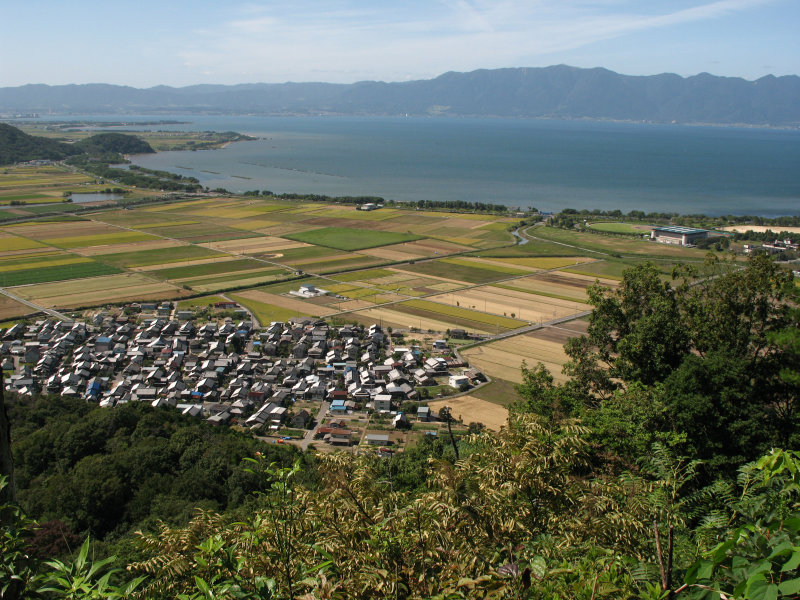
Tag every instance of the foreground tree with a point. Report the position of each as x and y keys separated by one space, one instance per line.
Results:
x=706 y=364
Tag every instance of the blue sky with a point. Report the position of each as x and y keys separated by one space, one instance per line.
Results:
x=184 y=42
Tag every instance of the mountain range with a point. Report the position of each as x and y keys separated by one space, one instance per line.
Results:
x=560 y=92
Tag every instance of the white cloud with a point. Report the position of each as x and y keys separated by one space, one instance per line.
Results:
x=347 y=42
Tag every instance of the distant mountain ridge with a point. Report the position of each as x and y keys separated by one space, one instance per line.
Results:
x=560 y=92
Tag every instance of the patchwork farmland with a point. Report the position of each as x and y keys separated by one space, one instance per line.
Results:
x=259 y=251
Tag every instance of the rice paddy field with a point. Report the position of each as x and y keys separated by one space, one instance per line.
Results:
x=346 y=238
x=97 y=291
x=402 y=268
x=528 y=307
x=40 y=185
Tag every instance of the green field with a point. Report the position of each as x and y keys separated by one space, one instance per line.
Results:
x=157 y=256
x=213 y=268
x=619 y=228
x=57 y=273
x=363 y=275
x=237 y=278
x=267 y=312
x=201 y=302
x=292 y=255
x=345 y=238
x=463 y=271
x=614 y=245
x=463 y=314
x=332 y=266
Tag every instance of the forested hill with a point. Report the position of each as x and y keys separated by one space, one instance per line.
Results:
x=114 y=142
x=18 y=146
x=552 y=92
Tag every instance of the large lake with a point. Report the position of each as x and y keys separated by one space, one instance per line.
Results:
x=547 y=164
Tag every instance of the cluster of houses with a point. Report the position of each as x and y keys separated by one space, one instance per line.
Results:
x=225 y=372
x=774 y=247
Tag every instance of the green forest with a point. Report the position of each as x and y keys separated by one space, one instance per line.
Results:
x=667 y=466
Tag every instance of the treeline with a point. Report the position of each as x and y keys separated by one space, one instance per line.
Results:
x=450 y=205
x=136 y=176
x=767 y=236
x=576 y=216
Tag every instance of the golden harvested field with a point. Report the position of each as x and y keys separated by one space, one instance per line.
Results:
x=236 y=211
x=445 y=286
x=97 y=290
x=255 y=225
x=567 y=285
x=499 y=264
x=41 y=231
x=183 y=207
x=287 y=302
x=503 y=359
x=154 y=244
x=760 y=228
x=11 y=308
x=387 y=254
x=162 y=224
x=254 y=245
x=469 y=409
x=525 y=306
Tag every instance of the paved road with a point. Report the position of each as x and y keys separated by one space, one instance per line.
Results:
x=528 y=328
x=323 y=410
x=50 y=311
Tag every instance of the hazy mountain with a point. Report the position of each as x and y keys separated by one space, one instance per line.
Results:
x=556 y=92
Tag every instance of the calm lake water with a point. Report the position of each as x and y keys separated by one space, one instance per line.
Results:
x=547 y=164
